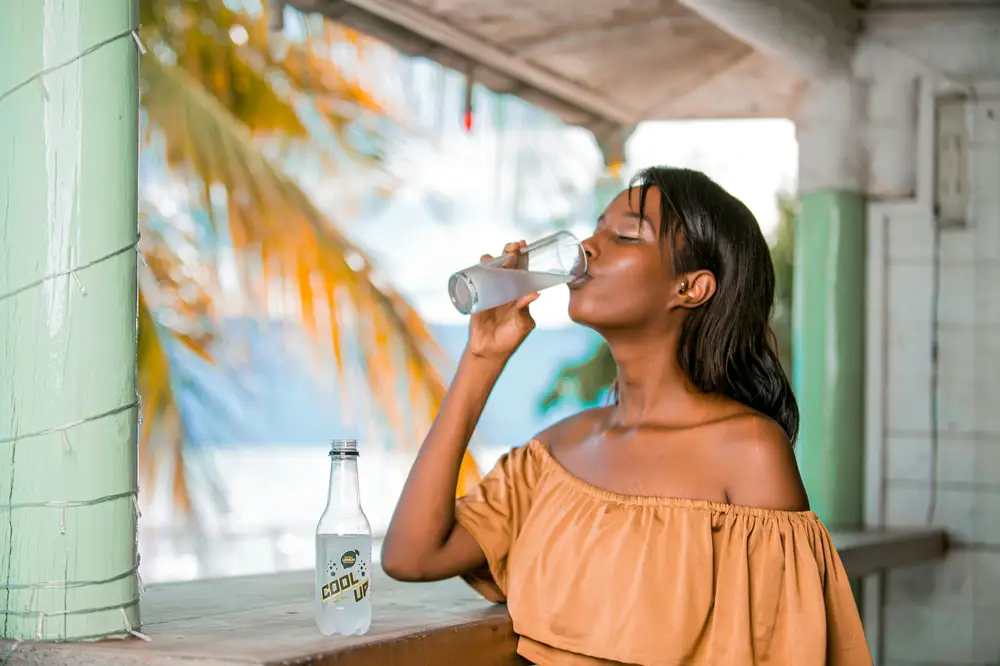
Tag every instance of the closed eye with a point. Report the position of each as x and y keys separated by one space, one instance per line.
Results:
x=627 y=239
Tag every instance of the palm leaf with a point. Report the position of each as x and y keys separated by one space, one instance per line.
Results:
x=158 y=408
x=169 y=284
x=229 y=53
x=271 y=220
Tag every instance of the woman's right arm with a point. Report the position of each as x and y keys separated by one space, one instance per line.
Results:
x=423 y=541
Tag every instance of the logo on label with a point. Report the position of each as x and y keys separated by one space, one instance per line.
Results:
x=356 y=582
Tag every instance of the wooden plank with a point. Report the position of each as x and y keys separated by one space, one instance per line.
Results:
x=478 y=50
x=267 y=620
x=865 y=553
x=540 y=55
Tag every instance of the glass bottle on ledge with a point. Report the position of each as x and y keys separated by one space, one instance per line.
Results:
x=343 y=549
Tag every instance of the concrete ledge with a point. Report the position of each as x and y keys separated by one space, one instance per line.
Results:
x=267 y=620
x=865 y=553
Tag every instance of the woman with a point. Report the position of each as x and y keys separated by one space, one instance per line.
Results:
x=671 y=527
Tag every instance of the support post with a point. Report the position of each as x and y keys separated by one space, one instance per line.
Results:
x=828 y=330
x=68 y=403
x=611 y=140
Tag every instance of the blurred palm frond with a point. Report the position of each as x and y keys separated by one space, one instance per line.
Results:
x=216 y=98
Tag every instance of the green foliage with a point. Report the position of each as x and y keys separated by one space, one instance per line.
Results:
x=783 y=258
x=584 y=382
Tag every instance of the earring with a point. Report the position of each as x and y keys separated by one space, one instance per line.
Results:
x=684 y=287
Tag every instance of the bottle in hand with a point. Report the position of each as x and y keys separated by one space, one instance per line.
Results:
x=551 y=261
x=343 y=550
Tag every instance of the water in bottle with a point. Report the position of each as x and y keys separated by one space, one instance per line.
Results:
x=482 y=287
x=553 y=260
x=343 y=550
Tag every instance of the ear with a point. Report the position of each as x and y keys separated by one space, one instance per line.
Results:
x=693 y=289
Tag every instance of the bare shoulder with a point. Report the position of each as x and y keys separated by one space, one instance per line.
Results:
x=573 y=429
x=760 y=465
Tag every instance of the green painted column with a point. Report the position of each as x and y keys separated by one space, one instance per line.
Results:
x=68 y=404
x=828 y=352
x=829 y=294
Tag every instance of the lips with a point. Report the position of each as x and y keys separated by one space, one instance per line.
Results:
x=580 y=281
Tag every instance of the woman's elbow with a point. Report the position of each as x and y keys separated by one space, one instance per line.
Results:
x=398 y=566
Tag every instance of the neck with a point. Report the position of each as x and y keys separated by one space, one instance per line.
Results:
x=651 y=383
x=344 y=495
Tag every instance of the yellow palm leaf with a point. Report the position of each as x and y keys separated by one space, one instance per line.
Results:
x=159 y=408
x=271 y=220
x=229 y=54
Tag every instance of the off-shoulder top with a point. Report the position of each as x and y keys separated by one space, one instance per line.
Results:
x=596 y=577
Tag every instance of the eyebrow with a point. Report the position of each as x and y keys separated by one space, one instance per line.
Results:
x=641 y=218
x=634 y=216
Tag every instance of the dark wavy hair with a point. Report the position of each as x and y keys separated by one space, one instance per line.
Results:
x=726 y=345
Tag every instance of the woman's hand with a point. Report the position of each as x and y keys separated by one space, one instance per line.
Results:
x=495 y=334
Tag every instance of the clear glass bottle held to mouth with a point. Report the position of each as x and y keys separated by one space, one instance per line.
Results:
x=548 y=262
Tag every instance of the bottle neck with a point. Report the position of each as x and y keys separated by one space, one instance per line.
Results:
x=345 y=494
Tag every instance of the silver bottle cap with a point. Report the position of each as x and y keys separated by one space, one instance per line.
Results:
x=344 y=447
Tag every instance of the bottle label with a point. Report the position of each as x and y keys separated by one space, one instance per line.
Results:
x=347 y=577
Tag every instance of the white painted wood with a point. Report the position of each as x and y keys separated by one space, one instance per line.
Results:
x=464 y=43
x=800 y=33
x=637 y=59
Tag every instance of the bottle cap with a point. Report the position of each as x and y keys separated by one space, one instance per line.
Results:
x=344 y=447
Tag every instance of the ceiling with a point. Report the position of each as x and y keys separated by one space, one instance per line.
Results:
x=596 y=64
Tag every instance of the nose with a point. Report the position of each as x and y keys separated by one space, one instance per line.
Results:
x=589 y=248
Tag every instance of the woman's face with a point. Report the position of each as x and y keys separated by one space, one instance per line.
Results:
x=628 y=274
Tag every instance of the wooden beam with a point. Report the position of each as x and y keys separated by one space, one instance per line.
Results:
x=481 y=52
x=584 y=39
x=808 y=38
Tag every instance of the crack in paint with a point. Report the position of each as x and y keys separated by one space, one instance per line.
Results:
x=10 y=524
x=13 y=408
x=131 y=33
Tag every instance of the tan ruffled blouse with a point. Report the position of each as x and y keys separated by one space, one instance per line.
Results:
x=595 y=577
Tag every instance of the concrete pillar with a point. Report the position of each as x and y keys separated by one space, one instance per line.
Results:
x=68 y=404
x=829 y=298
x=611 y=140
x=892 y=138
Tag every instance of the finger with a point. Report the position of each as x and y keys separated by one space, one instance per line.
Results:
x=524 y=301
x=512 y=255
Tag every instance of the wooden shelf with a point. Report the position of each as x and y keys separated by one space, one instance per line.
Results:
x=267 y=620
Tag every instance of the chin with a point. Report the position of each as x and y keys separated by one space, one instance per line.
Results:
x=583 y=311
x=602 y=314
